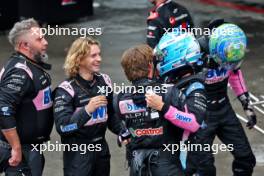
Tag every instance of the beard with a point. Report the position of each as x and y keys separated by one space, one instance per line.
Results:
x=38 y=56
x=41 y=58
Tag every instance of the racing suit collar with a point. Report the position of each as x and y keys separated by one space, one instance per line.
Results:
x=23 y=56
x=41 y=65
x=142 y=81
x=84 y=82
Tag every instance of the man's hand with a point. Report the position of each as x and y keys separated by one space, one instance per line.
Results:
x=252 y=118
x=13 y=140
x=123 y=137
x=154 y=101
x=95 y=103
x=16 y=157
x=249 y=111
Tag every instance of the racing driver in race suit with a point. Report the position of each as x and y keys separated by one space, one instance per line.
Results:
x=166 y=16
x=26 y=117
x=156 y=115
x=83 y=111
x=225 y=50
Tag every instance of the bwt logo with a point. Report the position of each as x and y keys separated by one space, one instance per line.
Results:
x=100 y=113
x=133 y=107
x=216 y=73
x=183 y=118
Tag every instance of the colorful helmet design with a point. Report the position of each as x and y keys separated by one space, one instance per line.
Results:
x=176 y=50
x=227 y=44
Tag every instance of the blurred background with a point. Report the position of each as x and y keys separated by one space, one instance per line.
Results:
x=123 y=24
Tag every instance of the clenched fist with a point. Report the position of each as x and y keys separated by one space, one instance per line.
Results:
x=154 y=101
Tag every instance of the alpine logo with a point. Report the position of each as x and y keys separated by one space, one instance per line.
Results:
x=149 y=132
x=183 y=118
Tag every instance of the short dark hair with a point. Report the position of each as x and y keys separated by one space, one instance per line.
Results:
x=135 y=61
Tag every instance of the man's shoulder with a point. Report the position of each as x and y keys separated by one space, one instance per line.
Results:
x=66 y=86
x=172 y=8
x=153 y=15
x=195 y=86
x=173 y=4
x=105 y=78
x=16 y=66
x=167 y=10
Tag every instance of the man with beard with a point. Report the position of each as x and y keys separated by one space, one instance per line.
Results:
x=166 y=16
x=25 y=101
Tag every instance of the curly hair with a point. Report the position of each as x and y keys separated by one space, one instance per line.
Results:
x=79 y=49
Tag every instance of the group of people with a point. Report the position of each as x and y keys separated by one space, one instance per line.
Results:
x=193 y=109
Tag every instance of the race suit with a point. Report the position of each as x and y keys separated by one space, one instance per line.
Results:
x=151 y=130
x=222 y=121
x=25 y=104
x=166 y=17
x=77 y=127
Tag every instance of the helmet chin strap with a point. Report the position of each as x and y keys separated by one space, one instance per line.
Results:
x=154 y=72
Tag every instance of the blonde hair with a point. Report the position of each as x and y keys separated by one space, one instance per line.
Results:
x=79 y=49
x=135 y=61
